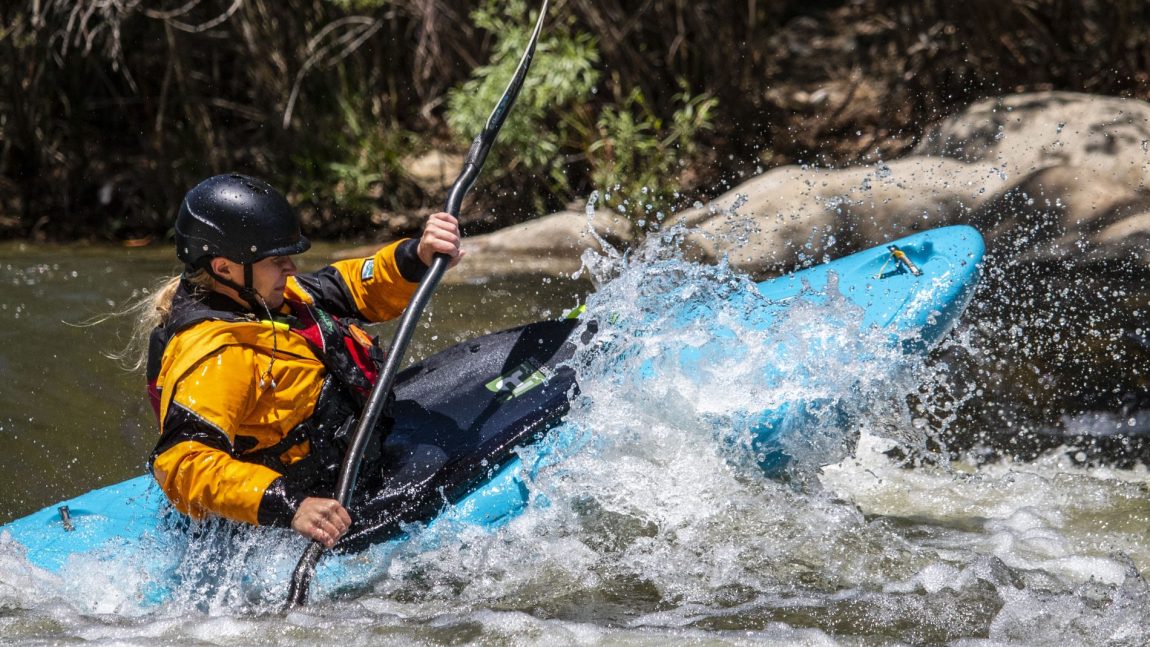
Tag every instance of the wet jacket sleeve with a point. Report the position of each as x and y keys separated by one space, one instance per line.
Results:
x=195 y=461
x=376 y=288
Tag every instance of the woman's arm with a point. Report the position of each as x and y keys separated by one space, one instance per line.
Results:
x=379 y=287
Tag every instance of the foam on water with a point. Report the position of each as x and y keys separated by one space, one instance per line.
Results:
x=1061 y=548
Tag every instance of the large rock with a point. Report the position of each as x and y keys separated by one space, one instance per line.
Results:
x=1063 y=174
x=551 y=245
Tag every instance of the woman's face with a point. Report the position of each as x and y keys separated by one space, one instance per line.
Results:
x=269 y=277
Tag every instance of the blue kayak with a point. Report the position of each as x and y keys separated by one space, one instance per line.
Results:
x=462 y=414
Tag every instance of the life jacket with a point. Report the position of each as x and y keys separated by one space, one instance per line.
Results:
x=352 y=361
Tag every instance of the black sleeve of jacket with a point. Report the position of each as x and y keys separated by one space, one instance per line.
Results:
x=279 y=503
x=332 y=295
x=407 y=260
x=182 y=425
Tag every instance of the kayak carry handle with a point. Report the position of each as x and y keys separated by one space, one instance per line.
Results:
x=902 y=258
x=66 y=518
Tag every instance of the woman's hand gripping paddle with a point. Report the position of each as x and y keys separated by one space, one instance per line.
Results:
x=472 y=164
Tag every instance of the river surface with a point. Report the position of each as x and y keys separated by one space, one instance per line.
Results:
x=656 y=530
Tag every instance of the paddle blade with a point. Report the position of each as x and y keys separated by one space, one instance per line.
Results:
x=301 y=576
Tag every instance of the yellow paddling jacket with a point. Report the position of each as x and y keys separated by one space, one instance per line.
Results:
x=252 y=411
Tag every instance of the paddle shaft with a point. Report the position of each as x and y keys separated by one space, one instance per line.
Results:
x=472 y=165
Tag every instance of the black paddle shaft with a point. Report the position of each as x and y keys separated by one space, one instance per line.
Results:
x=472 y=164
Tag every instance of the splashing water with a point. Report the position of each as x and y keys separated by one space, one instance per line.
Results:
x=661 y=499
x=659 y=520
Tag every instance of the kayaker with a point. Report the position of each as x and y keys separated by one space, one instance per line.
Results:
x=256 y=373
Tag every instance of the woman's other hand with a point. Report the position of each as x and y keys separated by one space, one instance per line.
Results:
x=440 y=236
x=323 y=520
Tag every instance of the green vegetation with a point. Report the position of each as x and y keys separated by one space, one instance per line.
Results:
x=110 y=111
x=342 y=179
x=643 y=159
x=552 y=116
x=629 y=146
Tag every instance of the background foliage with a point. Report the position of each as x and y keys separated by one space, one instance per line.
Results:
x=109 y=111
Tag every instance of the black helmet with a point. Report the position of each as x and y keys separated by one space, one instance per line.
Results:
x=238 y=217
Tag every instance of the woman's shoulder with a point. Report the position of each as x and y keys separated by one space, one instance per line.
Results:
x=214 y=337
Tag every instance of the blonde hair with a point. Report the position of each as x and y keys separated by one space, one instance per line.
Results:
x=152 y=309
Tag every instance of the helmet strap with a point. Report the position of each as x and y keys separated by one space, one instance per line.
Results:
x=246 y=292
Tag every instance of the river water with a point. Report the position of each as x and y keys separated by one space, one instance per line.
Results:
x=972 y=511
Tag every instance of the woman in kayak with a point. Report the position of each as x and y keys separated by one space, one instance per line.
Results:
x=257 y=373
